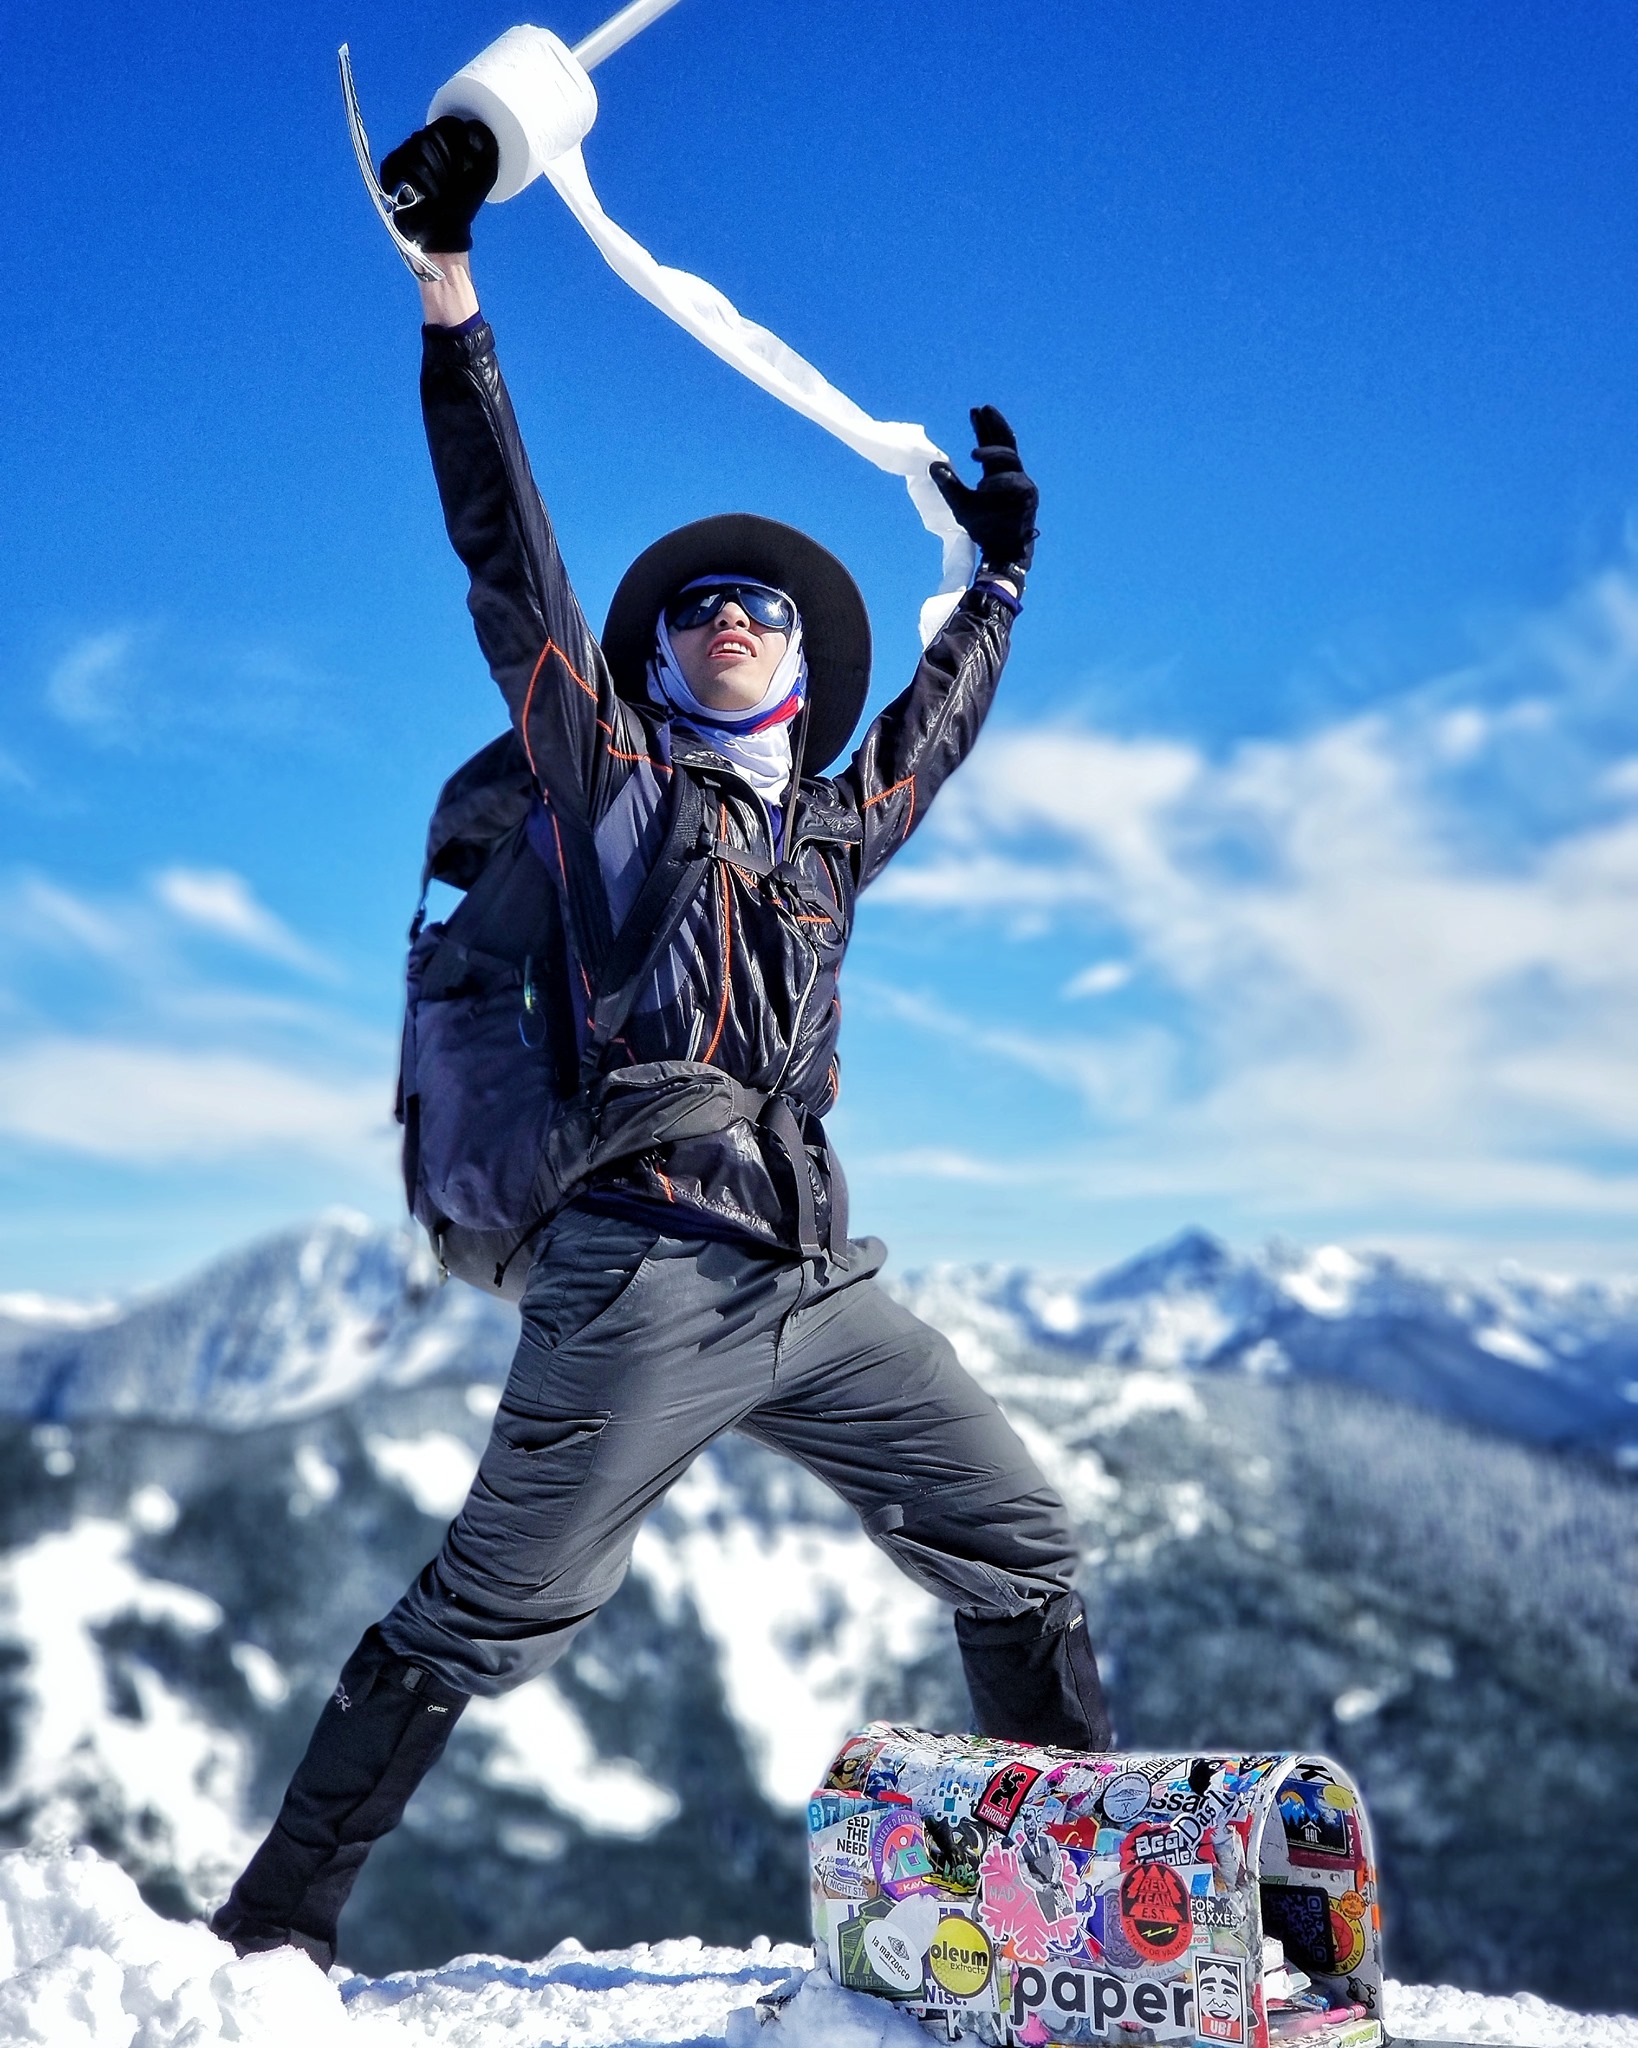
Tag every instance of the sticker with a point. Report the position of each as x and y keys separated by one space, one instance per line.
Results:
x=1014 y=1911
x=1154 y=1911
x=1316 y=1834
x=1097 y=1997
x=956 y=1846
x=1348 y=1939
x=1352 y=1904
x=892 y=1957
x=1125 y=1797
x=842 y=1876
x=1075 y=1784
x=898 y=1853
x=1159 y=1842
x=1004 y=1794
x=960 y=1957
x=853 y=1760
x=858 y=1968
x=1215 y=1909
x=1299 y=1917
x=1220 y=1998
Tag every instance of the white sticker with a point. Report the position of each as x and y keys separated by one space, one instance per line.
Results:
x=891 y=1957
x=1125 y=1797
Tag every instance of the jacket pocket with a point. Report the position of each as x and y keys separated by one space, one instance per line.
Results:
x=522 y=1501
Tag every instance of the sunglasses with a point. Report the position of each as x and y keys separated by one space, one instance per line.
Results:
x=760 y=602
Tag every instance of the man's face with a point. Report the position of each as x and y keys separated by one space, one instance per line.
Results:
x=729 y=662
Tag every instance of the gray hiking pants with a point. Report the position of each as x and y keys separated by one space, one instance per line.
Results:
x=638 y=1349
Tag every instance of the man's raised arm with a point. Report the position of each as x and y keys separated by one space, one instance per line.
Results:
x=533 y=634
x=927 y=731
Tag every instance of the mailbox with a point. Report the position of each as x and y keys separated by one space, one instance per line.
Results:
x=1030 y=1896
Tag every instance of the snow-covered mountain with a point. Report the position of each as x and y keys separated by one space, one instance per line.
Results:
x=300 y=1322
x=1319 y=1508
x=1545 y=1361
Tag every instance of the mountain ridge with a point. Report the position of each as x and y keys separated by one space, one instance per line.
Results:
x=313 y=1316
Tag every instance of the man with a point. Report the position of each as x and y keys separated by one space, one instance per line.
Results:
x=705 y=1282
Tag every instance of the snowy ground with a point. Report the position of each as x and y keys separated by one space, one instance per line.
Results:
x=84 y=1964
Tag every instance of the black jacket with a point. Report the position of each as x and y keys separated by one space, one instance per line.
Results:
x=751 y=987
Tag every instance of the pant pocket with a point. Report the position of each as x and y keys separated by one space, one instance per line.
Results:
x=524 y=1495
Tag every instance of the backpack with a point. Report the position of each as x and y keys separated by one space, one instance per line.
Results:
x=506 y=1107
x=488 y=1055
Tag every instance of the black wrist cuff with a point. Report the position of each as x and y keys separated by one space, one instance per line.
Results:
x=988 y=578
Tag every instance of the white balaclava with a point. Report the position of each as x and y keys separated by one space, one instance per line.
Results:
x=757 y=740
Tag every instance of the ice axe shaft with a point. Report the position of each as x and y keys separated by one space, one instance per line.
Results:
x=618 y=30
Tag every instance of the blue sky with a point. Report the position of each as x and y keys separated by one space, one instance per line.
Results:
x=1291 y=889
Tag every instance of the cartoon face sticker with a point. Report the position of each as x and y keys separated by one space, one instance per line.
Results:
x=1220 y=1998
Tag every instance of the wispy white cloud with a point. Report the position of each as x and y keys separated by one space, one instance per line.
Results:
x=150 y=1105
x=218 y=901
x=1102 y=978
x=148 y=685
x=90 y=684
x=123 y=1039
x=1395 y=956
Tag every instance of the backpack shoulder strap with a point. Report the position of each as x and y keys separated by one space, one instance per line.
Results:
x=652 y=921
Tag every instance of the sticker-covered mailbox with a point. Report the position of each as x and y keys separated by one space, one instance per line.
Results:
x=1035 y=1895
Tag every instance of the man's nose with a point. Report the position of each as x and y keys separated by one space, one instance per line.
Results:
x=732 y=615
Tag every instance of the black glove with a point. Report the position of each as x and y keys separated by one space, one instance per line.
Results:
x=999 y=513
x=451 y=166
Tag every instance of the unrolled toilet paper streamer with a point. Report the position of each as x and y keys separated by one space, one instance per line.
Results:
x=530 y=90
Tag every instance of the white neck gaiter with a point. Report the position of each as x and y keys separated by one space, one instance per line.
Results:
x=756 y=741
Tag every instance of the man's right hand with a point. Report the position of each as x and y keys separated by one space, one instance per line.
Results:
x=450 y=167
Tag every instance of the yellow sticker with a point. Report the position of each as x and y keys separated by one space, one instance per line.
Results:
x=960 y=1958
x=1351 y=1904
x=1338 y=1796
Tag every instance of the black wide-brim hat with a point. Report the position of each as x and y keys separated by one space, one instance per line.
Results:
x=835 y=624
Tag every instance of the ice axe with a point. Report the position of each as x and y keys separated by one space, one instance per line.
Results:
x=534 y=93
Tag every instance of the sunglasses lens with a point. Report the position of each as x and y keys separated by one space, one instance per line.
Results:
x=771 y=609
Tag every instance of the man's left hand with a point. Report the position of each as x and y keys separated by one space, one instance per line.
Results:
x=999 y=511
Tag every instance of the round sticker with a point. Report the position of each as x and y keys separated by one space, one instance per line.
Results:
x=1348 y=1938
x=1352 y=1904
x=1339 y=1797
x=960 y=1958
x=1125 y=1797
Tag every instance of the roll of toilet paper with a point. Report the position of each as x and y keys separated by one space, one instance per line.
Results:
x=531 y=91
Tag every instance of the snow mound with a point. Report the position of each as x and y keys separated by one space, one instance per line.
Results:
x=85 y=1964
x=1439 y=2012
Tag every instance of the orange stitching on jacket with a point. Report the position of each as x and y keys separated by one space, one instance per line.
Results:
x=551 y=647
x=907 y=782
x=670 y=1191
